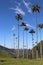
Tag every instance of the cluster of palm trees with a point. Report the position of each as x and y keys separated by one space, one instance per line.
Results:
x=25 y=28
x=35 y=8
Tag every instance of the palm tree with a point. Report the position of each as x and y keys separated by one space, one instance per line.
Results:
x=32 y=32
x=23 y=25
x=26 y=29
x=40 y=26
x=18 y=17
x=36 y=8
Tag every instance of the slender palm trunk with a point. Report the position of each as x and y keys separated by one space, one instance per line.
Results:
x=27 y=43
x=36 y=37
x=23 y=43
x=18 y=39
x=32 y=47
x=36 y=30
x=14 y=41
x=27 y=47
x=40 y=45
x=16 y=48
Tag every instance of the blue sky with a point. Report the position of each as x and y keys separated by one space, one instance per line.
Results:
x=8 y=23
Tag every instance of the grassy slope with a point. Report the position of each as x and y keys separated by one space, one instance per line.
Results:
x=11 y=61
x=4 y=55
x=6 y=60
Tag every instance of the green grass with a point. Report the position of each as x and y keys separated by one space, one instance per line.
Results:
x=4 y=54
x=12 y=61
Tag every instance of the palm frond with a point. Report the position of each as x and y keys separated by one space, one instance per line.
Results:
x=40 y=25
x=26 y=28
x=23 y=24
x=31 y=31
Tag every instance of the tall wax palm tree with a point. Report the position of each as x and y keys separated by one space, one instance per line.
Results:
x=32 y=32
x=18 y=17
x=23 y=25
x=40 y=26
x=26 y=29
x=36 y=8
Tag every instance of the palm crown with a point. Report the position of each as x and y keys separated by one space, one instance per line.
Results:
x=18 y=17
x=23 y=24
x=40 y=25
x=36 y=8
x=26 y=29
x=13 y=34
x=31 y=31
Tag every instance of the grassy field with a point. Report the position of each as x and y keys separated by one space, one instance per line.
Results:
x=4 y=54
x=11 y=61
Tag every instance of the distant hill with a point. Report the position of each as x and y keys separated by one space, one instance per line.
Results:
x=5 y=52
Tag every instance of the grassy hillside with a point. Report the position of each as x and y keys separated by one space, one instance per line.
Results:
x=12 y=61
x=4 y=54
x=13 y=52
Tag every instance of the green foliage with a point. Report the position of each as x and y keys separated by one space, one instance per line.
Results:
x=12 y=61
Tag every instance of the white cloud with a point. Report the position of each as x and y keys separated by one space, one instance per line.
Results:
x=29 y=10
x=18 y=10
x=27 y=4
x=12 y=8
x=17 y=3
x=29 y=25
x=13 y=28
